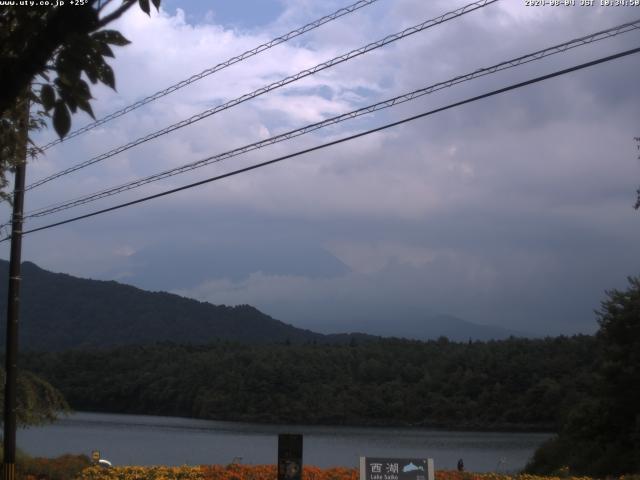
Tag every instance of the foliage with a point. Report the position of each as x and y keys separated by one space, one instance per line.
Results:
x=64 y=467
x=37 y=401
x=143 y=473
x=45 y=56
x=601 y=435
x=455 y=475
x=619 y=337
x=268 y=472
x=511 y=384
x=58 y=46
x=21 y=457
x=13 y=127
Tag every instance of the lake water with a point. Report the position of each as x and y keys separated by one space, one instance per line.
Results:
x=148 y=440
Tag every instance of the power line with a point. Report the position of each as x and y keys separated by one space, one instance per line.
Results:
x=538 y=55
x=209 y=71
x=341 y=140
x=304 y=73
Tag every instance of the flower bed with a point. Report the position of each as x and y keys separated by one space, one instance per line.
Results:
x=268 y=472
x=212 y=472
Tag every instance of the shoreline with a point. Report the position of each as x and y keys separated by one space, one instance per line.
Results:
x=382 y=425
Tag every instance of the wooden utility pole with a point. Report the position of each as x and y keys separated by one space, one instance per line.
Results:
x=13 y=303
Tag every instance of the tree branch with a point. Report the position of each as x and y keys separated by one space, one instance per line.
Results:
x=101 y=4
x=126 y=5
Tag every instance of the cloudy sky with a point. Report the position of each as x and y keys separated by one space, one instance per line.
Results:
x=513 y=211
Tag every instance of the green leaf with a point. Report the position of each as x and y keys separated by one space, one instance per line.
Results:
x=106 y=76
x=104 y=49
x=72 y=104
x=64 y=81
x=111 y=36
x=144 y=5
x=91 y=69
x=82 y=90
x=68 y=70
x=84 y=105
x=156 y=3
x=61 y=119
x=47 y=96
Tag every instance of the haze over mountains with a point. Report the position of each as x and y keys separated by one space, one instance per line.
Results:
x=59 y=311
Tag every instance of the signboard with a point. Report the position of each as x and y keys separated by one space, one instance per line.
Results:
x=376 y=468
x=289 y=457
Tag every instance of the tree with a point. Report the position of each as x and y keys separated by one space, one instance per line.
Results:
x=45 y=56
x=619 y=336
x=38 y=401
x=601 y=435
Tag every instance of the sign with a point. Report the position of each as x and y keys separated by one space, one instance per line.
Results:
x=375 y=468
x=289 y=457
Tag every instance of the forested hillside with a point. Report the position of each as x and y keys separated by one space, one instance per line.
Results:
x=59 y=311
x=511 y=384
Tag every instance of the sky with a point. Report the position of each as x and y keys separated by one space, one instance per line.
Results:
x=513 y=211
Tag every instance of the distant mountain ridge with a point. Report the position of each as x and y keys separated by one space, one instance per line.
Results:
x=59 y=311
x=420 y=325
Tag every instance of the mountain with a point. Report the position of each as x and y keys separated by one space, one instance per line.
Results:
x=402 y=320
x=59 y=311
x=414 y=323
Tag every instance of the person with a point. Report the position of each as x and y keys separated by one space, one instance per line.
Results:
x=460 y=465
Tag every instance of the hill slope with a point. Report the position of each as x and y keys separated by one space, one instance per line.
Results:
x=59 y=311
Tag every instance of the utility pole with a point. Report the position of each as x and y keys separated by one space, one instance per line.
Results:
x=13 y=303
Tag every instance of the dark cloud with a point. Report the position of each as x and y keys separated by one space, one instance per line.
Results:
x=512 y=211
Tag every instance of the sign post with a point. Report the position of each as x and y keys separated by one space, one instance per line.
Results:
x=289 y=457
x=376 y=468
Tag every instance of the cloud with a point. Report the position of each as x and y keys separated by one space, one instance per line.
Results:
x=124 y=251
x=372 y=258
x=483 y=290
x=514 y=210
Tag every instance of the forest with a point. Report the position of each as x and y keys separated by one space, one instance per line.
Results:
x=583 y=387
x=512 y=384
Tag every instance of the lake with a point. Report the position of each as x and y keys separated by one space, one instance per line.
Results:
x=149 y=440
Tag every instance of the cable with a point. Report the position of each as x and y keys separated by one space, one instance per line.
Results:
x=209 y=71
x=336 y=142
x=335 y=61
x=563 y=47
x=304 y=73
